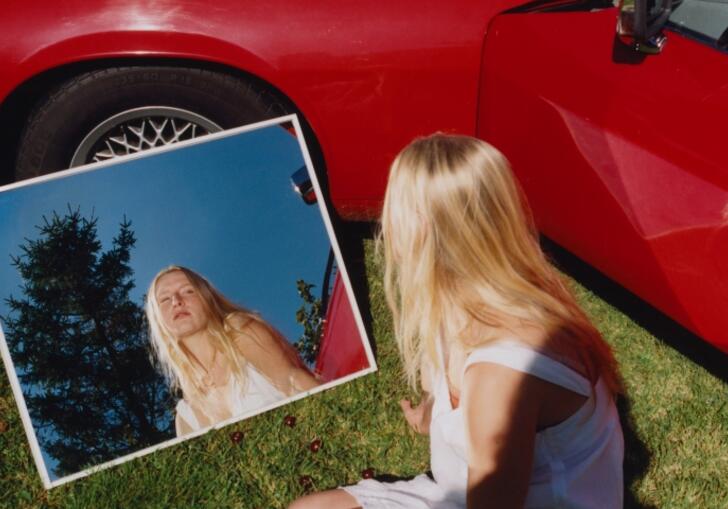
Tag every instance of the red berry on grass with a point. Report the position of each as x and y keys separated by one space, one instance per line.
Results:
x=236 y=436
x=305 y=481
x=315 y=445
x=367 y=473
x=289 y=420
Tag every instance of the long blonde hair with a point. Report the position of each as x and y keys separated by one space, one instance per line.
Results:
x=225 y=321
x=460 y=246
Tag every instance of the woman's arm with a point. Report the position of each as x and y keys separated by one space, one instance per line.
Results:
x=500 y=407
x=272 y=359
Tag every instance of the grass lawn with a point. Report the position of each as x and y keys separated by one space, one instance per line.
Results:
x=677 y=444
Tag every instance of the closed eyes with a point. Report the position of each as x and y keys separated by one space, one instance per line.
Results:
x=187 y=290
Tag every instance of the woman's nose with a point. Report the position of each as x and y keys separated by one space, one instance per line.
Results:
x=176 y=299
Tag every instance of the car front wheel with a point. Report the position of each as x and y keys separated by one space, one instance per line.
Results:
x=108 y=113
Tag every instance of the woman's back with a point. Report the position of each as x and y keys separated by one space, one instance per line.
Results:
x=576 y=463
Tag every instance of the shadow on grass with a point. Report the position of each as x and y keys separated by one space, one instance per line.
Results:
x=390 y=478
x=637 y=455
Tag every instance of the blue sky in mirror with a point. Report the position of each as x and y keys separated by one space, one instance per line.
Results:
x=225 y=208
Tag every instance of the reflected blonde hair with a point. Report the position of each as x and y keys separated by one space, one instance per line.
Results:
x=226 y=321
x=460 y=246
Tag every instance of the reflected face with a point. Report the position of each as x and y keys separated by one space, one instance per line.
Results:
x=182 y=308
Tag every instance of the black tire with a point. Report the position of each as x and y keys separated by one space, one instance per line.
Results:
x=63 y=119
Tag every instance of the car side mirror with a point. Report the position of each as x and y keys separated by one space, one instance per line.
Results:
x=640 y=24
x=303 y=186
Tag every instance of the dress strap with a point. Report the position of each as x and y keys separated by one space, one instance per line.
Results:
x=517 y=356
x=185 y=410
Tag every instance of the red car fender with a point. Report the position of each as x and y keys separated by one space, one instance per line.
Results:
x=190 y=47
x=341 y=71
x=341 y=351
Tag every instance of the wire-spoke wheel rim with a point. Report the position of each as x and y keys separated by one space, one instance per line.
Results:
x=139 y=129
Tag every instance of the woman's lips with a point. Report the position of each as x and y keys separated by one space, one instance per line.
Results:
x=180 y=314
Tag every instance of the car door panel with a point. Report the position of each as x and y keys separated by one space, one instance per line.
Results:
x=621 y=158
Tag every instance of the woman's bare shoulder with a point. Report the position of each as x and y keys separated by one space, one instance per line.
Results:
x=238 y=321
x=255 y=341
x=243 y=328
x=552 y=344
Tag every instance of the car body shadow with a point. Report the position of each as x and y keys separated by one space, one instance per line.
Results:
x=351 y=237
x=643 y=314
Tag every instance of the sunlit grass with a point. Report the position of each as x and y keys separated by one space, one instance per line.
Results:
x=679 y=411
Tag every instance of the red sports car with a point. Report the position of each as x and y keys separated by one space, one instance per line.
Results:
x=614 y=134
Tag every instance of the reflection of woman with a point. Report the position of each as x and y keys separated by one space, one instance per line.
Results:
x=225 y=359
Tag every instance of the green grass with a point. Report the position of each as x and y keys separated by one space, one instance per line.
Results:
x=679 y=414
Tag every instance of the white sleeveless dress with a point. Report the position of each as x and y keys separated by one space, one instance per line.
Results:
x=259 y=393
x=576 y=464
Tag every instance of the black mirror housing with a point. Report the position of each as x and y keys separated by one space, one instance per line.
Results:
x=640 y=24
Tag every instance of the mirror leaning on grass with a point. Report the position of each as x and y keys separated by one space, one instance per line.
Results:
x=678 y=411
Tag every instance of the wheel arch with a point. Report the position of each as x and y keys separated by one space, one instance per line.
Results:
x=21 y=101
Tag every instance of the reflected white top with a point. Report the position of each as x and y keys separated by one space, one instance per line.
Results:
x=258 y=394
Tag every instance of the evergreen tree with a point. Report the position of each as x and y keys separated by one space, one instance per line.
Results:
x=80 y=346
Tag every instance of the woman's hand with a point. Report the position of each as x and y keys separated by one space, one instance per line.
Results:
x=418 y=417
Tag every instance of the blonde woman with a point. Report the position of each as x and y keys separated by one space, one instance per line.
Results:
x=225 y=359
x=519 y=386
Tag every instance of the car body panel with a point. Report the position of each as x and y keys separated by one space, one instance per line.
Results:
x=621 y=157
x=341 y=63
x=622 y=161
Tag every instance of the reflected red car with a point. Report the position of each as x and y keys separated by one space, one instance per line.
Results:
x=341 y=351
x=620 y=152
